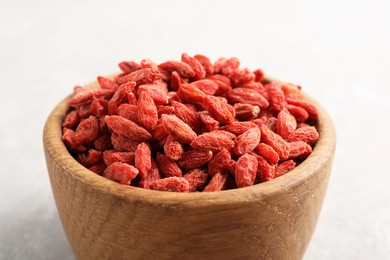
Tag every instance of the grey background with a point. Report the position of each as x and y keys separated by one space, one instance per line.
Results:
x=337 y=50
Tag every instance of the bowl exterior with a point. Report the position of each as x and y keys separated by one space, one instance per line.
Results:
x=106 y=220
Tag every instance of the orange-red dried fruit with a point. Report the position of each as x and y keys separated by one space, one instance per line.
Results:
x=246 y=170
x=265 y=171
x=276 y=96
x=212 y=141
x=182 y=68
x=247 y=141
x=141 y=76
x=299 y=149
x=106 y=83
x=168 y=167
x=127 y=128
x=143 y=159
x=173 y=184
x=275 y=141
x=87 y=130
x=153 y=175
x=71 y=120
x=112 y=156
x=197 y=178
x=306 y=134
x=194 y=159
x=285 y=123
x=176 y=127
x=268 y=153
x=170 y=119
x=123 y=144
x=190 y=94
x=207 y=65
x=219 y=109
x=238 y=128
x=247 y=96
x=217 y=183
x=121 y=172
x=210 y=123
x=284 y=167
x=221 y=162
x=129 y=112
x=119 y=97
x=199 y=72
x=172 y=148
x=299 y=113
x=147 y=111
x=188 y=114
x=312 y=110
x=207 y=86
x=246 y=112
x=129 y=66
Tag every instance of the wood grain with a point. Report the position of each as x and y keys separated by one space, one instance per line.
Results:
x=105 y=220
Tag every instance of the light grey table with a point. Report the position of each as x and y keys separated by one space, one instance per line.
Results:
x=337 y=50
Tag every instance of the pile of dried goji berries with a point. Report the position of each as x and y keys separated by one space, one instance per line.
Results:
x=189 y=125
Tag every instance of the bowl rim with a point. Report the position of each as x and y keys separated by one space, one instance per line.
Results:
x=322 y=154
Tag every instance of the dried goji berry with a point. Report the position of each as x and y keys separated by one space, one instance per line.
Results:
x=299 y=113
x=207 y=86
x=121 y=172
x=199 y=72
x=129 y=66
x=268 y=153
x=212 y=141
x=182 y=68
x=221 y=162
x=219 y=109
x=123 y=144
x=275 y=141
x=207 y=65
x=299 y=149
x=194 y=159
x=265 y=171
x=176 y=127
x=142 y=160
x=285 y=124
x=197 y=178
x=246 y=112
x=191 y=94
x=247 y=141
x=87 y=130
x=246 y=170
x=107 y=83
x=127 y=128
x=172 y=148
x=168 y=167
x=210 y=123
x=141 y=76
x=238 y=128
x=187 y=113
x=217 y=183
x=247 y=96
x=275 y=96
x=120 y=96
x=284 y=167
x=112 y=156
x=129 y=112
x=153 y=175
x=175 y=184
x=147 y=111
x=71 y=120
x=306 y=134
x=312 y=110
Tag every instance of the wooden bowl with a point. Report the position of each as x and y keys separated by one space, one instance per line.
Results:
x=106 y=220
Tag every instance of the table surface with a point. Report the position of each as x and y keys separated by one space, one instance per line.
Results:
x=337 y=50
